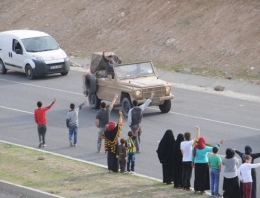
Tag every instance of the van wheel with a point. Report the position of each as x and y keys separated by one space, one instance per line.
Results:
x=166 y=106
x=91 y=83
x=126 y=106
x=3 y=70
x=29 y=72
x=64 y=73
x=94 y=101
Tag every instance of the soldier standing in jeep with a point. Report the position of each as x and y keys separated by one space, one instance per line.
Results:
x=135 y=116
x=109 y=64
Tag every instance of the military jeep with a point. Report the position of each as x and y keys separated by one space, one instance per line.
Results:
x=133 y=81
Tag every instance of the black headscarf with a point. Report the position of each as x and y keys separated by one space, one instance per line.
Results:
x=230 y=153
x=177 y=149
x=165 y=148
x=248 y=150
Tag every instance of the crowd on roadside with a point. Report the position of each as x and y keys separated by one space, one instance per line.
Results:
x=178 y=156
x=181 y=155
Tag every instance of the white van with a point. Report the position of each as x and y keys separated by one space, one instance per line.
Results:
x=32 y=52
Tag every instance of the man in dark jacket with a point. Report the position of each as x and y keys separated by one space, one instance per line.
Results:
x=135 y=116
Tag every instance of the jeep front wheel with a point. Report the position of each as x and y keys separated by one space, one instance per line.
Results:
x=126 y=106
x=166 y=106
x=94 y=101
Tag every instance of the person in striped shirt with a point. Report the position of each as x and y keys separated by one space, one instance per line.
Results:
x=131 y=150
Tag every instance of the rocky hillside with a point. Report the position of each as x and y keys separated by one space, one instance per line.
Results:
x=213 y=38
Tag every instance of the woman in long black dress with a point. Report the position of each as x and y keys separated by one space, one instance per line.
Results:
x=178 y=162
x=111 y=135
x=165 y=155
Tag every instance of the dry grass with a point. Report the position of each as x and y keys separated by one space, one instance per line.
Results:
x=68 y=178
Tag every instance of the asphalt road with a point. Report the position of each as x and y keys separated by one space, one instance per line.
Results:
x=7 y=195
x=235 y=120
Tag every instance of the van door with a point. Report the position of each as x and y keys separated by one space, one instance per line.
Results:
x=9 y=55
x=1 y=45
x=18 y=55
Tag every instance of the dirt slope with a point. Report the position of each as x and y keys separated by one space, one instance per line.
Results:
x=213 y=38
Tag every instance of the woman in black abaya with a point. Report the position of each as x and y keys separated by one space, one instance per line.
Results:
x=165 y=154
x=177 y=170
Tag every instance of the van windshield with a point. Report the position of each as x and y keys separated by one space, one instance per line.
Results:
x=40 y=44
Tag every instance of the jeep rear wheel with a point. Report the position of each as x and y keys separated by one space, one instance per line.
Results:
x=91 y=83
x=126 y=106
x=166 y=106
x=94 y=101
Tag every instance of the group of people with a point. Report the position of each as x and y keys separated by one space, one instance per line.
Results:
x=72 y=122
x=123 y=154
x=179 y=156
x=107 y=130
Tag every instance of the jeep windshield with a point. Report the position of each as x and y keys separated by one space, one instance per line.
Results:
x=134 y=70
x=40 y=44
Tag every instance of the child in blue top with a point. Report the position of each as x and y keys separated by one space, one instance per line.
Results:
x=215 y=168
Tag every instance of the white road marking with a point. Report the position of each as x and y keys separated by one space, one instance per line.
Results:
x=241 y=126
x=16 y=110
x=27 y=84
x=201 y=118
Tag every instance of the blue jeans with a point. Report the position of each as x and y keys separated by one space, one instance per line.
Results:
x=130 y=160
x=214 y=181
x=73 y=130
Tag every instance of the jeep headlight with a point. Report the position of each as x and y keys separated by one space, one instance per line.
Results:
x=138 y=93
x=168 y=88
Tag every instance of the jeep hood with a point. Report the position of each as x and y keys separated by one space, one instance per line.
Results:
x=143 y=82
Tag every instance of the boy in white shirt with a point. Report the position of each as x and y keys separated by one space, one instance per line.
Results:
x=244 y=174
x=186 y=150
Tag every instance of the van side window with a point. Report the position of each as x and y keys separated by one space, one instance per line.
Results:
x=17 y=48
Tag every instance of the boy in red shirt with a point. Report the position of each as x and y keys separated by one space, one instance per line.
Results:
x=40 y=119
